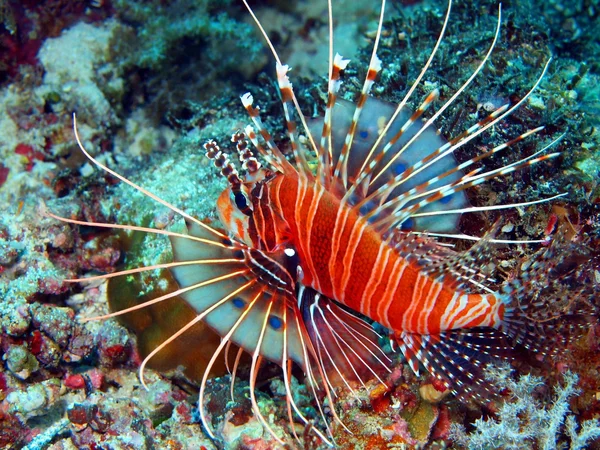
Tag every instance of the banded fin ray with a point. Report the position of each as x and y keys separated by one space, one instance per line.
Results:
x=259 y=317
x=374 y=113
x=459 y=268
x=210 y=269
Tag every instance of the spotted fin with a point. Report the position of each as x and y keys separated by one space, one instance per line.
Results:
x=217 y=281
x=220 y=284
x=456 y=358
x=545 y=303
x=461 y=270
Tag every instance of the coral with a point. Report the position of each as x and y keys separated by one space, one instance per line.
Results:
x=163 y=27
x=35 y=400
x=304 y=33
x=25 y=24
x=20 y=361
x=84 y=78
x=523 y=421
x=159 y=38
x=231 y=416
x=394 y=416
x=44 y=439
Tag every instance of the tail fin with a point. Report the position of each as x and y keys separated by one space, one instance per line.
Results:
x=549 y=301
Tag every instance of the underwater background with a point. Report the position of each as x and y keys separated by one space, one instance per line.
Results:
x=150 y=82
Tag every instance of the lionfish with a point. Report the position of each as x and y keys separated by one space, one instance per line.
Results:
x=344 y=233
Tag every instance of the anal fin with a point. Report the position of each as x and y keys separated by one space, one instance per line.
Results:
x=457 y=357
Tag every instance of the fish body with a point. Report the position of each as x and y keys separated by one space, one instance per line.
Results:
x=341 y=256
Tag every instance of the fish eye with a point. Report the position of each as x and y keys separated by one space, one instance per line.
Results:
x=241 y=201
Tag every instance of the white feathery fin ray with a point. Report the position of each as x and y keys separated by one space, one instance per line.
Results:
x=470 y=134
x=371 y=163
x=478 y=178
x=234 y=307
x=221 y=319
x=446 y=105
x=381 y=194
x=137 y=187
x=255 y=366
x=210 y=242
x=349 y=348
x=278 y=60
x=224 y=340
x=147 y=193
x=403 y=102
x=316 y=374
x=286 y=366
x=467 y=183
x=468 y=237
x=401 y=212
x=490 y=208
x=341 y=169
x=467 y=136
x=207 y=288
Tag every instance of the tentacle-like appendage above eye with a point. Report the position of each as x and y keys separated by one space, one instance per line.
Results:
x=247 y=158
x=222 y=162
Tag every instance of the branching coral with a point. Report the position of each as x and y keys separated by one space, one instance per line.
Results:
x=524 y=422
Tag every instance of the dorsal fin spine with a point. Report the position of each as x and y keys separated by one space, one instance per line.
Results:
x=451 y=100
x=341 y=170
x=408 y=95
x=247 y=101
x=265 y=154
x=287 y=97
x=402 y=199
x=325 y=150
x=460 y=185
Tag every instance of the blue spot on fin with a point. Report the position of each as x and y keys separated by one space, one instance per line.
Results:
x=275 y=322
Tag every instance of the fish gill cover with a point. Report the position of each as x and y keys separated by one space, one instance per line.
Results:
x=151 y=82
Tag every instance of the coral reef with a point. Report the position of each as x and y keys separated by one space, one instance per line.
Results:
x=525 y=421
x=150 y=82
